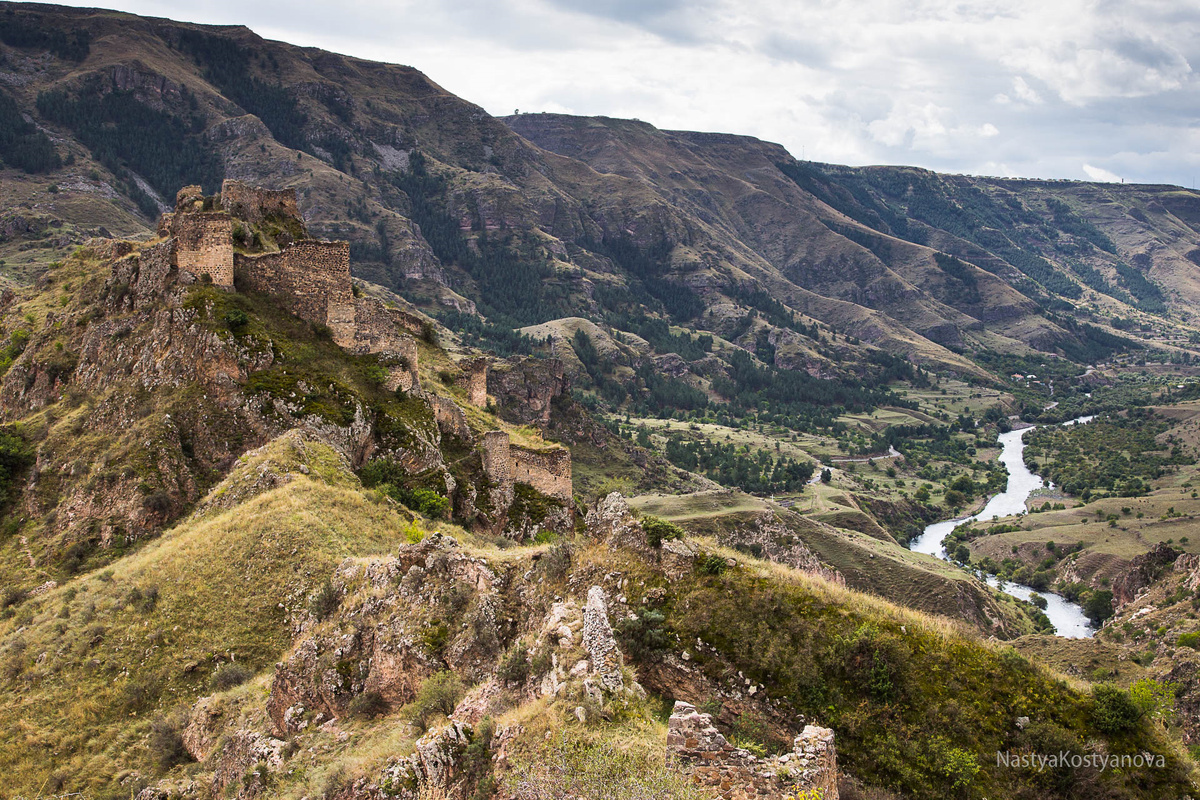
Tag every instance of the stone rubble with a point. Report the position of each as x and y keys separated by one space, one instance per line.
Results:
x=696 y=747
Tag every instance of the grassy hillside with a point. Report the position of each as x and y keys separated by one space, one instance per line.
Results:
x=918 y=704
x=87 y=665
x=869 y=562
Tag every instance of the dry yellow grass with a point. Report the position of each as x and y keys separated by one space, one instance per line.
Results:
x=223 y=585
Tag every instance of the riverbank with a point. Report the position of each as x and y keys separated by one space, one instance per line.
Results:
x=1067 y=617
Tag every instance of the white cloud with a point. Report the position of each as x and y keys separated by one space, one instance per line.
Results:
x=1024 y=91
x=1100 y=174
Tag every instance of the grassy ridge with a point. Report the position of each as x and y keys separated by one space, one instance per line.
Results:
x=87 y=665
x=919 y=706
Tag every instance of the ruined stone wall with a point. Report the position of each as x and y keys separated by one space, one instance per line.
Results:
x=253 y=204
x=408 y=322
x=320 y=274
x=376 y=331
x=548 y=471
x=473 y=379
x=314 y=279
x=497 y=466
x=154 y=265
x=814 y=754
x=204 y=244
x=697 y=748
x=497 y=458
x=257 y=273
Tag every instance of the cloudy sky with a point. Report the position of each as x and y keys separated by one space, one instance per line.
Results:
x=1099 y=90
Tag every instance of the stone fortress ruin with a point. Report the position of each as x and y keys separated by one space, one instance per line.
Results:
x=216 y=240
x=697 y=748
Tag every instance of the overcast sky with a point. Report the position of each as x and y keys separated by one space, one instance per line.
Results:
x=1099 y=90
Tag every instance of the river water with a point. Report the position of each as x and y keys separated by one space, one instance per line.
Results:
x=1068 y=617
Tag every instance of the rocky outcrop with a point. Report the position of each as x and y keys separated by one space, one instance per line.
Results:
x=770 y=537
x=611 y=521
x=598 y=639
x=431 y=769
x=1188 y=565
x=246 y=760
x=388 y=648
x=696 y=747
x=524 y=388
x=204 y=727
x=1142 y=572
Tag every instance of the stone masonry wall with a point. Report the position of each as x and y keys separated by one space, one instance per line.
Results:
x=376 y=331
x=697 y=748
x=313 y=276
x=204 y=244
x=814 y=754
x=497 y=465
x=473 y=378
x=497 y=458
x=253 y=204
x=407 y=322
x=548 y=471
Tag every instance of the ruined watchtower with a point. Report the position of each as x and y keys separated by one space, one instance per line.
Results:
x=201 y=236
x=473 y=379
x=274 y=255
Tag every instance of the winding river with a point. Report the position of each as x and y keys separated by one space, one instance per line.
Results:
x=1068 y=617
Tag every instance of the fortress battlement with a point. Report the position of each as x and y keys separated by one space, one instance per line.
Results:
x=254 y=204
x=310 y=277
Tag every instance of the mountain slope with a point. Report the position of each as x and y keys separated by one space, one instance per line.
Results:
x=574 y=216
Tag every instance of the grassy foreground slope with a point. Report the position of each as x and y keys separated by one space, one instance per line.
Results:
x=93 y=668
x=920 y=706
x=86 y=665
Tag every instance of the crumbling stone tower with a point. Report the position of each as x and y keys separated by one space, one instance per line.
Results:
x=473 y=379
x=308 y=277
x=201 y=238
